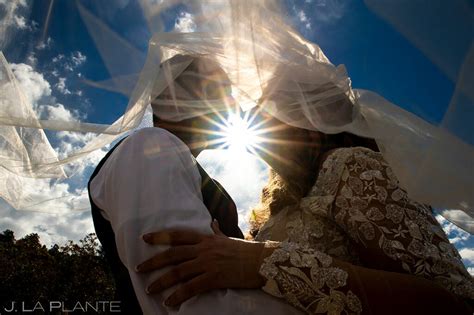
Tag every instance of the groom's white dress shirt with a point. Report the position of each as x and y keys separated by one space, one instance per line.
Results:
x=151 y=183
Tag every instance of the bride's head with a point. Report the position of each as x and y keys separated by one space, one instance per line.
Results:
x=294 y=156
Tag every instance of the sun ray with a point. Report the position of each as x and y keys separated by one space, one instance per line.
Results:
x=223 y=125
x=285 y=142
x=204 y=144
x=259 y=131
x=273 y=155
x=255 y=114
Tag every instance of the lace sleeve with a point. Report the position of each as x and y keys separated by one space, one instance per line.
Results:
x=393 y=232
x=316 y=283
x=307 y=279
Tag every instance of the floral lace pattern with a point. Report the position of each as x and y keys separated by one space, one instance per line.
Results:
x=358 y=213
x=394 y=232
x=300 y=226
x=306 y=279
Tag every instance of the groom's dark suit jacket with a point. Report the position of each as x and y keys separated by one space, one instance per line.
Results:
x=218 y=202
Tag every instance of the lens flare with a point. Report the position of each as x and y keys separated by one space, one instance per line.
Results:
x=238 y=134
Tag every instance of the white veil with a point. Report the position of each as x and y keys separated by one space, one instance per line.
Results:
x=260 y=51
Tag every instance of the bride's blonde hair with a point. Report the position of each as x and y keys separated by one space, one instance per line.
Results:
x=279 y=192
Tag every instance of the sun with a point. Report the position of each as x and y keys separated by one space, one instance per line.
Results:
x=238 y=133
x=239 y=136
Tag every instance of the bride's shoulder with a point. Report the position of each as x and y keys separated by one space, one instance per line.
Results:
x=343 y=155
x=335 y=164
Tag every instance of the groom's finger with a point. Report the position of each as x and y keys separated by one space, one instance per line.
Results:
x=215 y=227
x=182 y=272
x=171 y=256
x=196 y=286
x=173 y=237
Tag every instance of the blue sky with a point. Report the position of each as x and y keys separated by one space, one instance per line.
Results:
x=53 y=55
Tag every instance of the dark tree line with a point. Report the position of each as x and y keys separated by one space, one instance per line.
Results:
x=31 y=273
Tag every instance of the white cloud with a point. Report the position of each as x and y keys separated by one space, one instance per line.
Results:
x=458 y=239
x=36 y=88
x=316 y=13
x=70 y=142
x=330 y=11
x=34 y=85
x=61 y=86
x=304 y=19
x=467 y=255
x=242 y=175
x=58 y=58
x=20 y=22
x=42 y=45
x=455 y=234
x=57 y=112
x=52 y=228
x=185 y=23
x=31 y=59
x=12 y=19
x=471 y=270
x=78 y=58
x=71 y=63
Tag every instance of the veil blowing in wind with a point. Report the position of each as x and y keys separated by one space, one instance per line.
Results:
x=355 y=179
x=256 y=45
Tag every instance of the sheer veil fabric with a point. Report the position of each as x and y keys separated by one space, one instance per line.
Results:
x=270 y=64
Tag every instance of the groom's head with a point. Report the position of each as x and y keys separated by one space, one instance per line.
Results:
x=199 y=93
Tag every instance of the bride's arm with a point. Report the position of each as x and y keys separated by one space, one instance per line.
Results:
x=390 y=230
x=316 y=283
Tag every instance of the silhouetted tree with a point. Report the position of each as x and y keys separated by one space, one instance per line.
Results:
x=30 y=273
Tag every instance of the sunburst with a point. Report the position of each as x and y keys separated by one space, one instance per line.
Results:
x=239 y=135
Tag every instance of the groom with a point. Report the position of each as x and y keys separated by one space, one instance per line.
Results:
x=153 y=155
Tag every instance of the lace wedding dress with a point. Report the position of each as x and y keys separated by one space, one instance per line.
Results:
x=357 y=213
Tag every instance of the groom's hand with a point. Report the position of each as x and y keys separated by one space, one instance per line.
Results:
x=203 y=262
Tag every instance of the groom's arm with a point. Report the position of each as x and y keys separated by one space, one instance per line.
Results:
x=149 y=183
